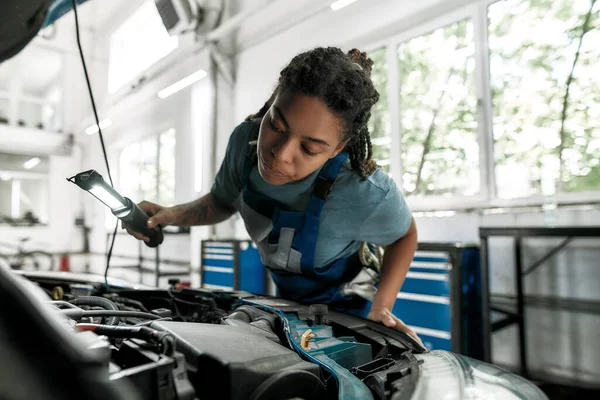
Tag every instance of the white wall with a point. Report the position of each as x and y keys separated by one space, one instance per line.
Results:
x=61 y=234
x=140 y=113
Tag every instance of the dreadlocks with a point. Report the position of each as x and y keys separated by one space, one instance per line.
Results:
x=343 y=83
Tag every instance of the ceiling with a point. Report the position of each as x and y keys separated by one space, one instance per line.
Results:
x=39 y=64
x=95 y=14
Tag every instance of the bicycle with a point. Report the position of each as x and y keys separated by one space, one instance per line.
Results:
x=23 y=259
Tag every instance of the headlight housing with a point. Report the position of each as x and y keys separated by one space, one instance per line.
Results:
x=451 y=376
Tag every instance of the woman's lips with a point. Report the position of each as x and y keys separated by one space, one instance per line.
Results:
x=270 y=170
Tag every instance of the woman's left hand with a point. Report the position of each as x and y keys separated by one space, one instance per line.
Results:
x=385 y=316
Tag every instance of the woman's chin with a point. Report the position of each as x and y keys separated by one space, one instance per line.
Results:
x=270 y=178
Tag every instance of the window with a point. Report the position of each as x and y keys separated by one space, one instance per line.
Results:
x=147 y=169
x=439 y=149
x=379 y=123
x=31 y=89
x=24 y=196
x=166 y=168
x=139 y=43
x=546 y=95
x=495 y=101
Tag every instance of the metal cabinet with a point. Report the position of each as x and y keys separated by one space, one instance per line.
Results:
x=441 y=298
x=232 y=265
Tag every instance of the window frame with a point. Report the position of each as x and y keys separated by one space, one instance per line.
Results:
x=185 y=43
x=155 y=137
x=116 y=150
x=475 y=11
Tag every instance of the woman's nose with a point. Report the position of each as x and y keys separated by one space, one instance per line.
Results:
x=283 y=150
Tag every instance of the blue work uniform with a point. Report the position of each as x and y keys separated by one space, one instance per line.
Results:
x=309 y=232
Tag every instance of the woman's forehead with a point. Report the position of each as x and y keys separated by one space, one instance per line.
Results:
x=307 y=115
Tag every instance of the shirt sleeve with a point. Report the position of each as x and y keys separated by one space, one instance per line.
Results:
x=228 y=182
x=389 y=221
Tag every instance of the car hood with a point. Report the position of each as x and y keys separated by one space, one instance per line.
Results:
x=237 y=342
x=21 y=20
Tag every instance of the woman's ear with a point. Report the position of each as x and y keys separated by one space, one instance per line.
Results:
x=340 y=148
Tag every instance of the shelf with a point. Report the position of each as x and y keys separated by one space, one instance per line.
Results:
x=17 y=139
x=507 y=304
x=545 y=379
x=4 y=94
x=514 y=306
x=568 y=231
x=504 y=322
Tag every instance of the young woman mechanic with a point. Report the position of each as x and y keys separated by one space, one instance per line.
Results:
x=301 y=176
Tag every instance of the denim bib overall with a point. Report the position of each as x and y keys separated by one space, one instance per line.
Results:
x=288 y=248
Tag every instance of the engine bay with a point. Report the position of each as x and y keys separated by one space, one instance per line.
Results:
x=181 y=343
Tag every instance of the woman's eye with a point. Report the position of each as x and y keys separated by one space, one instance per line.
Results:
x=307 y=151
x=275 y=128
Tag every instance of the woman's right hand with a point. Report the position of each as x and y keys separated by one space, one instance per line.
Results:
x=159 y=215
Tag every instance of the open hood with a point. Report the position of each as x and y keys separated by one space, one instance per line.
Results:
x=119 y=342
x=21 y=20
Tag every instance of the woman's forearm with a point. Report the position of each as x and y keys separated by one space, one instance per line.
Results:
x=204 y=211
x=397 y=258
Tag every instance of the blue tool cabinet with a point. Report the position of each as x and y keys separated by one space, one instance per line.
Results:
x=441 y=298
x=232 y=265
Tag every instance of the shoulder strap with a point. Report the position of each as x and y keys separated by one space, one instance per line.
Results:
x=324 y=183
x=251 y=157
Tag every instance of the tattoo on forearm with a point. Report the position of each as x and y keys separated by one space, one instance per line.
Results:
x=204 y=212
x=199 y=212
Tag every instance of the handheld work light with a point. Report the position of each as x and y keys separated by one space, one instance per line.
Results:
x=121 y=207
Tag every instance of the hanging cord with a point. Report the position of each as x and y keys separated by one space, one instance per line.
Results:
x=89 y=86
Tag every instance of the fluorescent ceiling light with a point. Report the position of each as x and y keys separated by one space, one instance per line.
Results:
x=182 y=84
x=105 y=123
x=5 y=177
x=338 y=5
x=31 y=163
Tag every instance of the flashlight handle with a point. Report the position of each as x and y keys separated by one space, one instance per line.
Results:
x=137 y=220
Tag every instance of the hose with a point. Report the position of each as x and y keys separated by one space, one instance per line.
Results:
x=78 y=313
x=98 y=302
x=253 y=315
x=131 y=303
x=164 y=339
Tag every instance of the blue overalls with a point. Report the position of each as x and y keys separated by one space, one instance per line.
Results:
x=292 y=241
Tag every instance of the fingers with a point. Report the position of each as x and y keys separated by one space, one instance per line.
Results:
x=401 y=326
x=386 y=317
x=155 y=220
x=149 y=208
x=163 y=217
x=158 y=216
x=135 y=234
x=382 y=315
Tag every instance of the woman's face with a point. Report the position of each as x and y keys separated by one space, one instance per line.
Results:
x=297 y=136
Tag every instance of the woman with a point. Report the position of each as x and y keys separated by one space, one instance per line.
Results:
x=301 y=176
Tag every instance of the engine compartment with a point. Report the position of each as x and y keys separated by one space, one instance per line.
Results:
x=182 y=343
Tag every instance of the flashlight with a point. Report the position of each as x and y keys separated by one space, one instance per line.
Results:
x=121 y=207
